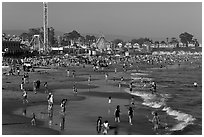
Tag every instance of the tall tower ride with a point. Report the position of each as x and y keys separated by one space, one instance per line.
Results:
x=45 y=26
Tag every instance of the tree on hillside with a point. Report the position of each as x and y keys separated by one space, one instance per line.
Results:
x=186 y=38
x=67 y=37
x=74 y=35
x=24 y=36
x=90 y=39
x=163 y=42
x=133 y=41
x=174 y=41
x=117 y=41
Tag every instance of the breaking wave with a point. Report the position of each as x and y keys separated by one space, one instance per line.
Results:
x=159 y=101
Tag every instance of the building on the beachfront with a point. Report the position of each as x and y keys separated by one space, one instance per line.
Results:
x=13 y=48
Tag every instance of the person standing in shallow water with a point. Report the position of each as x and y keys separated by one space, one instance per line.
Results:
x=153 y=88
x=155 y=121
x=117 y=114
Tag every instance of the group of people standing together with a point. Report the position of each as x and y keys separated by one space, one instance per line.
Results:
x=103 y=127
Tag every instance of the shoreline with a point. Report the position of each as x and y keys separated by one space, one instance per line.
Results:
x=11 y=121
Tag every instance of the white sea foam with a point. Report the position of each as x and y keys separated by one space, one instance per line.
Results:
x=159 y=101
x=136 y=78
x=150 y=100
x=141 y=78
x=153 y=104
x=184 y=119
x=139 y=74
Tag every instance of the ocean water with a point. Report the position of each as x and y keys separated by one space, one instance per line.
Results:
x=178 y=101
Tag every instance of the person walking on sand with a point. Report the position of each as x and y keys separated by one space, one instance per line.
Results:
x=24 y=77
x=99 y=124
x=50 y=98
x=18 y=71
x=115 y=70
x=68 y=73
x=62 y=122
x=63 y=105
x=34 y=86
x=46 y=87
x=74 y=90
x=22 y=86
x=119 y=84
x=89 y=80
x=37 y=84
x=130 y=115
x=105 y=127
x=109 y=100
x=117 y=114
x=106 y=77
x=73 y=73
x=50 y=110
x=121 y=79
x=132 y=101
x=33 y=120
x=25 y=97
x=27 y=78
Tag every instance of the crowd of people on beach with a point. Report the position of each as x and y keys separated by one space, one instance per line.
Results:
x=161 y=60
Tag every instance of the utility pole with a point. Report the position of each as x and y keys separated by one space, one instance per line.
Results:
x=45 y=26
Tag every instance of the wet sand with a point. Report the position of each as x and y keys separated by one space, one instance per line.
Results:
x=82 y=110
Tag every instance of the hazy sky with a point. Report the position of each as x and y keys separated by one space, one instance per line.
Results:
x=130 y=19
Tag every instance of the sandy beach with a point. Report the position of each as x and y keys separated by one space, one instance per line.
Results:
x=82 y=110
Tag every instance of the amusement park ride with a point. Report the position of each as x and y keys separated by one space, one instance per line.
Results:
x=36 y=43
